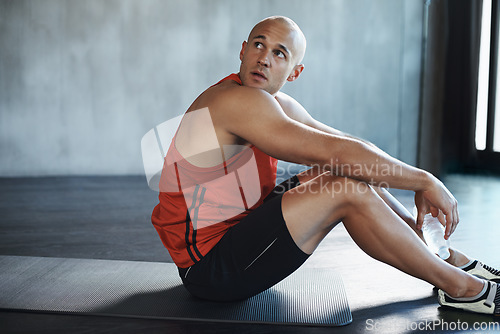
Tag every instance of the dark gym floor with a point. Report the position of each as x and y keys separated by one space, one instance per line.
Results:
x=109 y=218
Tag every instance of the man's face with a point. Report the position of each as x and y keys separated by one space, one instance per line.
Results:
x=269 y=57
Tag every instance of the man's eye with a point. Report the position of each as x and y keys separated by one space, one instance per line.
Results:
x=279 y=53
x=258 y=45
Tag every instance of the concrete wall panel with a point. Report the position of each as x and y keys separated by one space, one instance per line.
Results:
x=82 y=81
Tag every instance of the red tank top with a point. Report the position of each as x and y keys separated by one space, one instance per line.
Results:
x=198 y=205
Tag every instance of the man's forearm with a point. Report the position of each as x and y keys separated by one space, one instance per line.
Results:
x=375 y=166
x=366 y=162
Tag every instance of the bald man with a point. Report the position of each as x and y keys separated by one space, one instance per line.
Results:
x=233 y=234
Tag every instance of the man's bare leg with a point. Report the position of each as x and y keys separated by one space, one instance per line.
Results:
x=313 y=208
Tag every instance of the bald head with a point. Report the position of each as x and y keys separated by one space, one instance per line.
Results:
x=298 y=38
x=272 y=55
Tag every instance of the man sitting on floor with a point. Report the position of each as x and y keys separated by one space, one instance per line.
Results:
x=233 y=234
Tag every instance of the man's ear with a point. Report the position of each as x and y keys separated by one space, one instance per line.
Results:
x=295 y=72
x=243 y=46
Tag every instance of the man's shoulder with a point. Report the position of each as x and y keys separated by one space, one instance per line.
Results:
x=231 y=89
x=232 y=96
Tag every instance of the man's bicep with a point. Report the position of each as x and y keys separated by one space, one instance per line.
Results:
x=261 y=121
x=257 y=119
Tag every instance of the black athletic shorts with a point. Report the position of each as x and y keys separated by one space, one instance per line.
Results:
x=252 y=256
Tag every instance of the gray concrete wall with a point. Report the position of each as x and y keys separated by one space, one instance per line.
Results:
x=82 y=81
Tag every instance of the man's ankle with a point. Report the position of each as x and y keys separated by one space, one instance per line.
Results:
x=474 y=289
x=457 y=258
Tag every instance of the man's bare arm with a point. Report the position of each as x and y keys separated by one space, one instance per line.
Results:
x=258 y=118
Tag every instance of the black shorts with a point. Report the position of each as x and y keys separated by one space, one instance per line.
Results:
x=251 y=257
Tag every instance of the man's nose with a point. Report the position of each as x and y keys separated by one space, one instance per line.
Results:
x=263 y=59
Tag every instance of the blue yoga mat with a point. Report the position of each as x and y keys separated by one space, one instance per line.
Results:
x=154 y=290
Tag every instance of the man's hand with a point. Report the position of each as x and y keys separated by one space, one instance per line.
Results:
x=437 y=200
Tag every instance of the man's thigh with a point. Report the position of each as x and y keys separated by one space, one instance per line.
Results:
x=313 y=208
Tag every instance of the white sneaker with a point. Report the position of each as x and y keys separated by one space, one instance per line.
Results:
x=488 y=302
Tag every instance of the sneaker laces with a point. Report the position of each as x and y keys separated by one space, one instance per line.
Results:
x=497 y=300
x=491 y=270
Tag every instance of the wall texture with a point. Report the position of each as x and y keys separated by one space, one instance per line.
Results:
x=82 y=81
